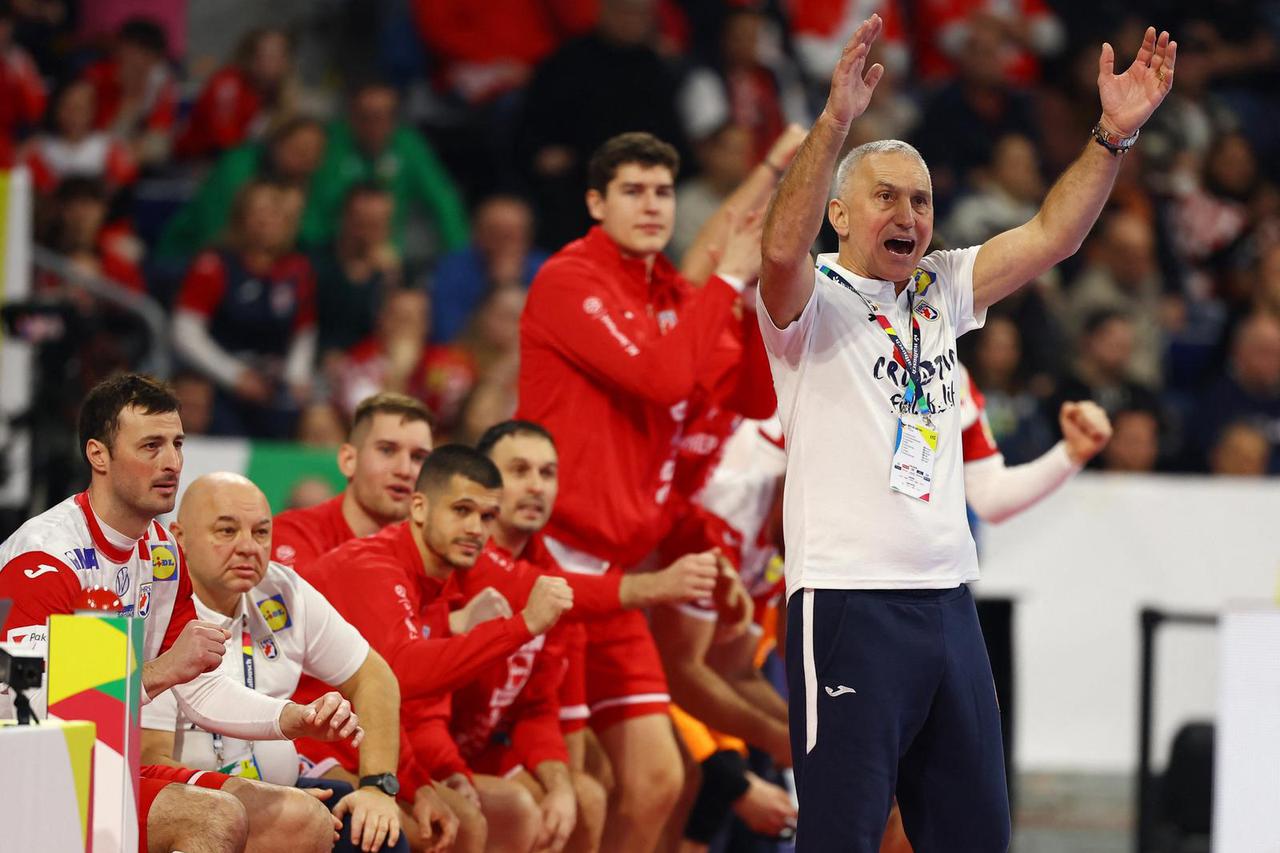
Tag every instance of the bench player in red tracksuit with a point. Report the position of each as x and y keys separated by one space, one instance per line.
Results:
x=397 y=588
x=613 y=343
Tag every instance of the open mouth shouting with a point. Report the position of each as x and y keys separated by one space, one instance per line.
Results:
x=900 y=245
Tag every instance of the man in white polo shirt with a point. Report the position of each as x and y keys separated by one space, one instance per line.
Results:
x=891 y=690
x=280 y=628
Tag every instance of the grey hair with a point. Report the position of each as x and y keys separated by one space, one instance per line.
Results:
x=879 y=146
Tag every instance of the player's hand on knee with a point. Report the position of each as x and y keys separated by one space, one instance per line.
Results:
x=550 y=599
x=375 y=818
x=328 y=718
x=437 y=823
x=559 y=815
x=461 y=785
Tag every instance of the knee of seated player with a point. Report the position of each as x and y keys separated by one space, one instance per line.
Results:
x=593 y=800
x=473 y=827
x=510 y=809
x=284 y=818
x=186 y=816
x=650 y=785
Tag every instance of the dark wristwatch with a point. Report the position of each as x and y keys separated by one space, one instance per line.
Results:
x=387 y=783
x=1113 y=142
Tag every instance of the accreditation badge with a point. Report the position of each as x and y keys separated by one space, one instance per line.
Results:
x=913 y=454
x=244 y=768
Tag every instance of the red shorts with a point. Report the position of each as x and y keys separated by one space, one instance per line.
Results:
x=156 y=777
x=624 y=676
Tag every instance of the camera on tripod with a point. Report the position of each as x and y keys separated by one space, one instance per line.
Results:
x=21 y=672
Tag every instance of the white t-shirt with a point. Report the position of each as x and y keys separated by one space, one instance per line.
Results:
x=295 y=630
x=839 y=390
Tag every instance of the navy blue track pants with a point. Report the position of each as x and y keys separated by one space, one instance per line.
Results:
x=892 y=695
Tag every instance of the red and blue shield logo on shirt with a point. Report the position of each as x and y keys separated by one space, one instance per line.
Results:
x=144 y=600
x=269 y=650
x=927 y=311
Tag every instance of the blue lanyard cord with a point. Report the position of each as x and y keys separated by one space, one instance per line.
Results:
x=913 y=397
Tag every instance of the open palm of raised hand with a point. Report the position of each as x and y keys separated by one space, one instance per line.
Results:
x=850 y=88
x=1129 y=99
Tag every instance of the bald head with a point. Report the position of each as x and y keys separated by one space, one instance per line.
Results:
x=207 y=492
x=224 y=526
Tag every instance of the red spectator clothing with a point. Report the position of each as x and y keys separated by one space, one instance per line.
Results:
x=509 y=714
x=976 y=438
x=379 y=585
x=940 y=27
x=250 y=313
x=608 y=362
x=485 y=49
x=443 y=378
x=227 y=112
x=22 y=99
x=299 y=537
x=159 y=107
x=53 y=158
x=820 y=29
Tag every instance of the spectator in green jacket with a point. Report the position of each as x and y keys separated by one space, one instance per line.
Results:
x=290 y=155
x=372 y=146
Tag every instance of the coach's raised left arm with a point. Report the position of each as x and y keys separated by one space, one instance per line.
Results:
x=1009 y=260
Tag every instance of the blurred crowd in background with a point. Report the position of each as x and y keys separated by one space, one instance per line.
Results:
x=332 y=198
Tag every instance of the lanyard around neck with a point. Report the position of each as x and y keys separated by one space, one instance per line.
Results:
x=246 y=657
x=913 y=398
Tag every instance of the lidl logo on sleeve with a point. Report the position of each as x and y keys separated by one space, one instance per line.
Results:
x=274 y=611
x=164 y=565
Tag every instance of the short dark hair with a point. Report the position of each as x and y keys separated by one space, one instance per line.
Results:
x=635 y=147
x=497 y=432
x=100 y=413
x=145 y=33
x=388 y=403
x=444 y=462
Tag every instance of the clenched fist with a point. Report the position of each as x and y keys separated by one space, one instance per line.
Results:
x=198 y=649
x=487 y=604
x=549 y=599
x=1085 y=429
x=689 y=578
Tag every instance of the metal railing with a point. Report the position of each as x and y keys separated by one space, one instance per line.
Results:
x=157 y=361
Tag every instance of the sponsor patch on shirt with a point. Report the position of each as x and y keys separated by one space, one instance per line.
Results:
x=82 y=559
x=144 y=600
x=122 y=581
x=269 y=650
x=164 y=565
x=274 y=611
x=927 y=311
